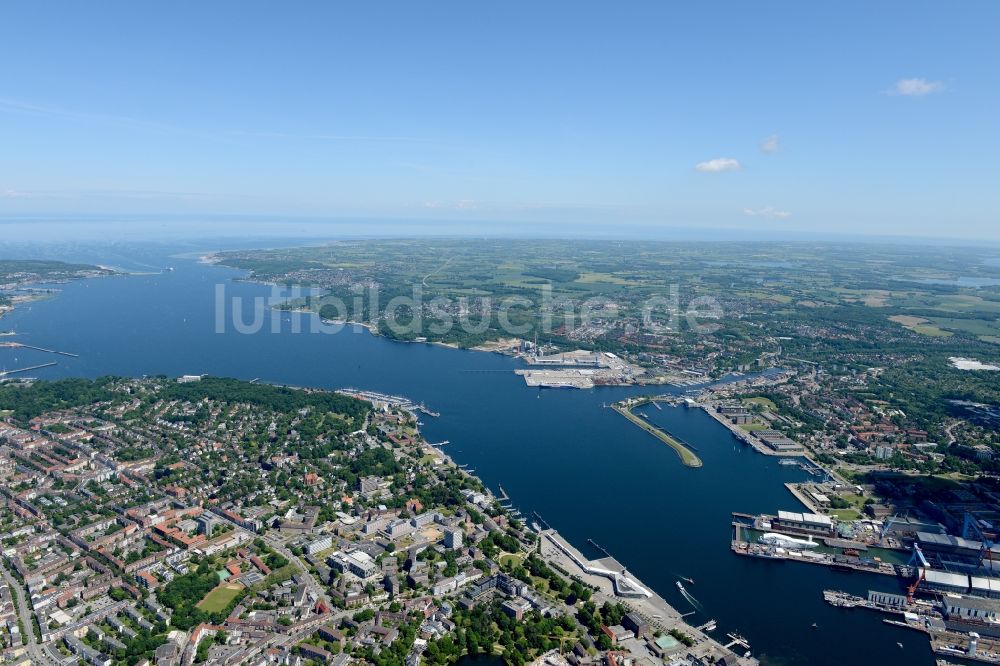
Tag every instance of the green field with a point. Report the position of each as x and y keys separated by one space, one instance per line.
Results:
x=763 y=402
x=511 y=559
x=219 y=598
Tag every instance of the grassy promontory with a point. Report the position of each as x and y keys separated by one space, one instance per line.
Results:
x=687 y=456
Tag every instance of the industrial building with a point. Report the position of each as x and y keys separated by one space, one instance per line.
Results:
x=803 y=523
x=778 y=441
x=956 y=550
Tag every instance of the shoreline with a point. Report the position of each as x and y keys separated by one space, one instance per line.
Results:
x=609 y=576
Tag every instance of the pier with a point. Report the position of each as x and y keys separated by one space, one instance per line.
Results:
x=599 y=547
x=541 y=521
x=5 y=373
x=687 y=456
x=623 y=585
x=393 y=400
x=41 y=349
x=734 y=640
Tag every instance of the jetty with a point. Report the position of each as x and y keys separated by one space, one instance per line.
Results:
x=21 y=345
x=687 y=456
x=5 y=373
x=599 y=547
x=393 y=400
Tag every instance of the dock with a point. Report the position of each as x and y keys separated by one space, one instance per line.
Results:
x=393 y=400
x=41 y=349
x=599 y=547
x=5 y=373
x=541 y=521
x=734 y=640
x=684 y=451
x=741 y=545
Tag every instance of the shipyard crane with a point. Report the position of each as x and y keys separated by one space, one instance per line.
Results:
x=917 y=557
x=912 y=588
x=918 y=560
x=888 y=524
x=970 y=527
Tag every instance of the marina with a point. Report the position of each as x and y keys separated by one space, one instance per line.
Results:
x=391 y=400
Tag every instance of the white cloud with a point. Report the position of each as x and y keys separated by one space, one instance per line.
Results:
x=719 y=164
x=767 y=211
x=770 y=144
x=916 y=87
x=14 y=194
x=461 y=204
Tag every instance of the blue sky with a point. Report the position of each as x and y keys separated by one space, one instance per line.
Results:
x=858 y=117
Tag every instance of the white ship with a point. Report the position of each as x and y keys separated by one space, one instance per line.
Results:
x=789 y=542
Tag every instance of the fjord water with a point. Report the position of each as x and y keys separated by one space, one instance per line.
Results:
x=582 y=467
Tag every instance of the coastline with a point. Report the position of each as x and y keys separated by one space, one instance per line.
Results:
x=611 y=577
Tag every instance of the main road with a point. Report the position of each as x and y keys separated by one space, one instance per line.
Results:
x=37 y=653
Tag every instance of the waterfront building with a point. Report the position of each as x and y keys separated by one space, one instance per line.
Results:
x=971 y=608
x=806 y=523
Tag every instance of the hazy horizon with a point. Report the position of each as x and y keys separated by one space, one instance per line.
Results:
x=39 y=229
x=783 y=118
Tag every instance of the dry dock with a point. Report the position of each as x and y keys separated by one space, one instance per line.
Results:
x=743 y=545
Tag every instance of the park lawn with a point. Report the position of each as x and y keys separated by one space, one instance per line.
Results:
x=219 y=598
x=855 y=499
x=750 y=427
x=763 y=402
x=511 y=559
x=845 y=514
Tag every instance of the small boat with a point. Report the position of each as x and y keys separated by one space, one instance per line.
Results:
x=689 y=580
x=680 y=586
x=899 y=644
x=815 y=626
